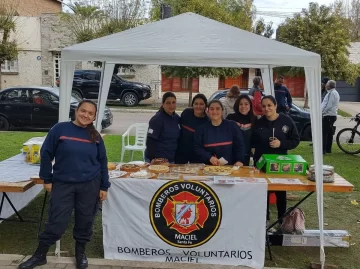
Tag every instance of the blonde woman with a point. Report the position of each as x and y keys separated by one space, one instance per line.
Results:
x=229 y=101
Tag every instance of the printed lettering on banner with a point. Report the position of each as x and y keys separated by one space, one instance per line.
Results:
x=185 y=222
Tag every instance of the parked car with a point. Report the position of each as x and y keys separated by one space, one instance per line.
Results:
x=300 y=116
x=36 y=107
x=86 y=84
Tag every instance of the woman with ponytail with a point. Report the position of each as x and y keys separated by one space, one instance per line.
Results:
x=78 y=180
x=164 y=131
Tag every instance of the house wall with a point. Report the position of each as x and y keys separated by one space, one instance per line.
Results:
x=29 y=71
x=35 y=8
x=27 y=36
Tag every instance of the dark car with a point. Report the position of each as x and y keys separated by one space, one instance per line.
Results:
x=36 y=107
x=86 y=84
x=300 y=116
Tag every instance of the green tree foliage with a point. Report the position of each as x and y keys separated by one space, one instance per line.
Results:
x=91 y=19
x=261 y=28
x=237 y=13
x=320 y=29
x=8 y=47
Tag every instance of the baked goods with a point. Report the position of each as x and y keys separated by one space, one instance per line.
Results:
x=111 y=166
x=142 y=174
x=129 y=167
x=160 y=161
x=328 y=173
x=169 y=176
x=116 y=174
x=218 y=170
x=158 y=168
x=184 y=169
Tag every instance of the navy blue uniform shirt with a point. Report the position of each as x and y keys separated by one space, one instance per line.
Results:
x=77 y=159
x=188 y=122
x=163 y=135
x=225 y=140
x=285 y=131
x=282 y=96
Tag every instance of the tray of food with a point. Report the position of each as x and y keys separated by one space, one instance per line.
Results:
x=169 y=176
x=160 y=161
x=185 y=169
x=130 y=167
x=158 y=168
x=142 y=174
x=218 y=170
x=116 y=174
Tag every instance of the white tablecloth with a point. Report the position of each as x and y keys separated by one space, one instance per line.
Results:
x=15 y=169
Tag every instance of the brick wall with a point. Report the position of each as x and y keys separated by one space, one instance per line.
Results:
x=36 y=7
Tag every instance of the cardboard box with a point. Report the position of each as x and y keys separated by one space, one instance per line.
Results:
x=282 y=164
x=311 y=238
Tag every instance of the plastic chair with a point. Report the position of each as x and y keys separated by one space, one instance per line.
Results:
x=141 y=130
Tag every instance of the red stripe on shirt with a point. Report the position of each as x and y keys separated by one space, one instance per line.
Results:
x=218 y=144
x=74 y=139
x=188 y=128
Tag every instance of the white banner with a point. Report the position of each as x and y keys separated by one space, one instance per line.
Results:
x=185 y=222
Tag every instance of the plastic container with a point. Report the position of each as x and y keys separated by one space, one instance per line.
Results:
x=328 y=173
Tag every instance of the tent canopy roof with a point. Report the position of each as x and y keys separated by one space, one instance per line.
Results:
x=189 y=40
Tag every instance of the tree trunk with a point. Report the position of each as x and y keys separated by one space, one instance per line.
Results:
x=190 y=81
x=306 y=102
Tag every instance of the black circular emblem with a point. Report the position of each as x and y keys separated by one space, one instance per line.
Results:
x=185 y=214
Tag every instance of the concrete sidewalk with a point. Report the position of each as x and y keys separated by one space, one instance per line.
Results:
x=10 y=261
x=350 y=107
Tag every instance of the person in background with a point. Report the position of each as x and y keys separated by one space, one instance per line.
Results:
x=219 y=138
x=329 y=108
x=164 y=131
x=190 y=119
x=274 y=133
x=78 y=180
x=229 y=101
x=244 y=118
x=323 y=93
x=282 y=96
x=257 y=93
x=323 y=90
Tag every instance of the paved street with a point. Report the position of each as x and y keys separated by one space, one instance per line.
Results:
x=122 y=120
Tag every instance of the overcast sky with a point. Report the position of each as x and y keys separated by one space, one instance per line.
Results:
x=277 y=10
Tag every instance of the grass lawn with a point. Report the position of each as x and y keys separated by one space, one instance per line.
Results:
x=344 y=113
x=20 y=238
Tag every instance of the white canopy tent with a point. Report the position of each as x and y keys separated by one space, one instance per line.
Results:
x=192 y=40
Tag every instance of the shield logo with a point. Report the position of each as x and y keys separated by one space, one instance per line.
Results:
x=185 y=214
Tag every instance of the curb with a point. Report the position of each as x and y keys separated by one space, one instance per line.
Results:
x=15 y=260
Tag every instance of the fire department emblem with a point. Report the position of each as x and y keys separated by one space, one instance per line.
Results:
x=185 y=214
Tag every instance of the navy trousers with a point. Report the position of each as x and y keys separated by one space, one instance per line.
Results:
x=65 y=197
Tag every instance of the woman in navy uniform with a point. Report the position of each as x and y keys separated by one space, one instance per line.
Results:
x=164 y=131
x=190 y=119
x=78 y=180
x=219 y=138
x=285 y=138
x=244 y=118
